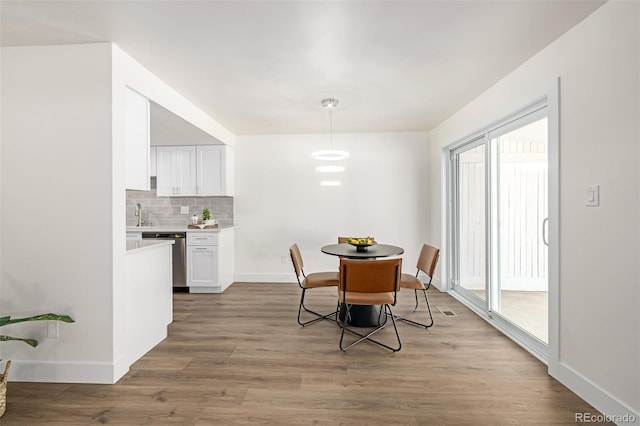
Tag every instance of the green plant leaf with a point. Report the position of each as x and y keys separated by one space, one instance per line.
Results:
x=30 y=342
x=6 y=320
x=42 y=317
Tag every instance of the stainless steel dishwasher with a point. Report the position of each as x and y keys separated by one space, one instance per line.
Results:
x=178 y=254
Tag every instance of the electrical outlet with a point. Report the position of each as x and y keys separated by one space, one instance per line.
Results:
x=283 y=259
x=53 y=330
x=184 y=209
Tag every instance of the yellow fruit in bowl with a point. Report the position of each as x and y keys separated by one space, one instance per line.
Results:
x=360 y=241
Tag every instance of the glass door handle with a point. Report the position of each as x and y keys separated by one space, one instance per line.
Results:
x=544 y=234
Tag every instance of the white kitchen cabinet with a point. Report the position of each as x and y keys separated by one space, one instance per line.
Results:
x=202 y=264
x=152 y=161
x=137 y=141
x=210 y=170
x=202 y=238
x=176 y=170
x=210 y=261
x=202 y=170
x=164 y=171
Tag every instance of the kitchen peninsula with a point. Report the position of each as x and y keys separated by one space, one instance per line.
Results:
x=149 y=308
x=205 y=255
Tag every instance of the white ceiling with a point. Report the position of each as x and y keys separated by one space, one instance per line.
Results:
x=262 y=67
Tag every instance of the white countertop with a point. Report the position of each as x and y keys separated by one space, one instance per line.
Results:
x=134 y=246
x=173 y=228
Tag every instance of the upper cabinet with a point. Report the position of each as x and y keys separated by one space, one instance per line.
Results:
x=210 y=170
x=152 y=164
x=176 y=170
x=137 y=141
x=202 y=170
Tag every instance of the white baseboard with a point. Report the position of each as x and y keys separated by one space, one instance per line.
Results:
x=66 y=372
x=613 y=409
x=121 y=367
x=214 y=290
x=264 y=278
x=290 y=278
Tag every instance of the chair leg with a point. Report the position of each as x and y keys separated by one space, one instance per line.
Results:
x=415 y=293
x=347 y=314
x=382 y=309
x=371 y=333
x=320 y=316
x=426 y=299
x=416 y=323
x=395 y=327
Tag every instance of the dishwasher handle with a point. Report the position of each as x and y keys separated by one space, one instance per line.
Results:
x=164 y=236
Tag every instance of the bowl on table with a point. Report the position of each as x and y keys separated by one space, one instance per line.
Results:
x=361 y=244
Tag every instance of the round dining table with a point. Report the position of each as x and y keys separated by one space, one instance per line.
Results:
x=363 y=315
x=371 y=252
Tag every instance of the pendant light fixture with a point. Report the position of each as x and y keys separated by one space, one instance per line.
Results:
x=330 y=154
x=330 y=169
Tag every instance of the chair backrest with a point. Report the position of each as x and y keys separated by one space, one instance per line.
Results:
x=370 y=276
x=428 y=259
x=296 y=259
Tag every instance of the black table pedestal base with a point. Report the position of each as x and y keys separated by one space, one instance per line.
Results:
x=363 y=315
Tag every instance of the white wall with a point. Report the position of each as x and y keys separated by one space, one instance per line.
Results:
x=598 y=63
x=56 y=210
x=63 y=203
x=279 y=200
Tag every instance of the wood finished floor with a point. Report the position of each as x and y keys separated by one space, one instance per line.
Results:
x=241 y=358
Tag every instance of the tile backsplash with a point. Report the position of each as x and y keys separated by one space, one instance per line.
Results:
x=162 y=211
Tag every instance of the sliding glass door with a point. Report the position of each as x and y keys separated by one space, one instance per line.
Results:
x=471 y=209
x=499 y=191
x=521 y=232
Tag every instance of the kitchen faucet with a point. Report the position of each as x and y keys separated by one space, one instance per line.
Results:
x=138 y=213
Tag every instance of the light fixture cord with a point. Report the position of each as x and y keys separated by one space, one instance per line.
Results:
x=331 y=126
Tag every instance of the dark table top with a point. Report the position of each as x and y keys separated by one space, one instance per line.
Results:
x=376 y=250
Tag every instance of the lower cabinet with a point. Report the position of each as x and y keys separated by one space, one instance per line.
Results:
x=203 y=266
x=209 y=261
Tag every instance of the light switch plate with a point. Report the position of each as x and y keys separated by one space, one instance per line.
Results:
x=184 y=209
x=592 y=196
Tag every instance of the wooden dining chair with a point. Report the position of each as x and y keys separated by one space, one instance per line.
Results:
x=369 y=282
x=313 y=280
x=427 y=262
